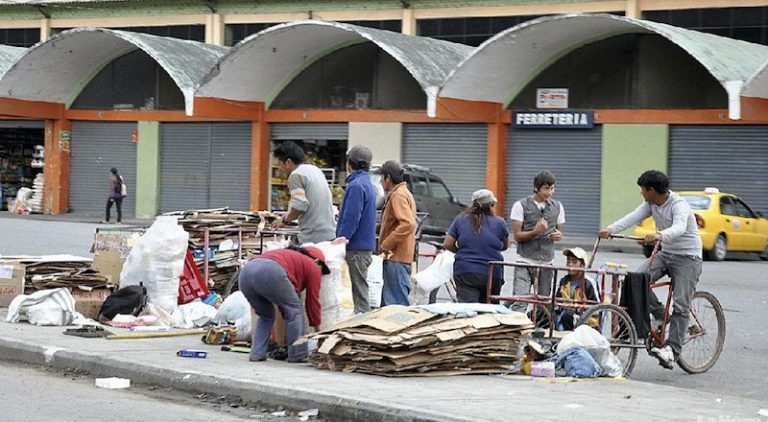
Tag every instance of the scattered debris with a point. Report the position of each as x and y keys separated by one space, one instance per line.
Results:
x=113 y=383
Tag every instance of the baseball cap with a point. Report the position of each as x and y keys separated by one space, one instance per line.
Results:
x=483 y=196
x=359 y=154
x=391 y=167
x=578 y=253
x=316 y=253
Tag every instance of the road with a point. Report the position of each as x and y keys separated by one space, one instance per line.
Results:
x=740 y=283
x=42 y=395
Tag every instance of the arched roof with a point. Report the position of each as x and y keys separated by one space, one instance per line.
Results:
x=8 y=56
x=58 y=69
x=260 y=66
x=501 y=67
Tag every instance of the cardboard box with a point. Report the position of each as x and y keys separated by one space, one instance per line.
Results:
x=88 y=302
x=110 y=249
x=12 y=276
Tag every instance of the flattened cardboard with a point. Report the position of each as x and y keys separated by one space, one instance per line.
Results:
x=88 y=301
x=12 y=276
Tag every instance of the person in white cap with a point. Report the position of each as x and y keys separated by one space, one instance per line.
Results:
x=478 y=237
x=575 y=286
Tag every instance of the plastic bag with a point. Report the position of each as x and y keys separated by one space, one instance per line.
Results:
x=193 y=314
x=236 y=311
x=44 y=307
x=158 y=261
x=335 y=288
x=438 y=273
x=375 y=280
x=587 y=338
x=578 y=363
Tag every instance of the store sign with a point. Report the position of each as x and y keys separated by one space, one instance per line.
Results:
x=553 y=119
x=552 y=98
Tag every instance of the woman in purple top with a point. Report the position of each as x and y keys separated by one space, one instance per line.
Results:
x=477 y=237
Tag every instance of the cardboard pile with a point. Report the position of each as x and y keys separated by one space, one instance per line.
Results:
x=227 y=231
x=397 y=341
x=111 y=247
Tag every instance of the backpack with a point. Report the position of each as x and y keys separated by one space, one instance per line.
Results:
x=123 y=187
x=129 y=300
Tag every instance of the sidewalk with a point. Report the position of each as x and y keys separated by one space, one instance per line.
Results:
x=342 y=396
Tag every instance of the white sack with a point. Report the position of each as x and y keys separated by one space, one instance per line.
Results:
x=437 y=273
x=44 y=307
x=375 y=281
x=597 y=345
x=236 y=311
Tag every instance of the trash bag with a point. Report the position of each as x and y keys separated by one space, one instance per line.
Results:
x=158 y=260
x=236 y=311
x=437 y=273
x=129 y=300
x=589 y=339
x=44 y=307
x=578 y=363
x=375 y=281
x=335 y=288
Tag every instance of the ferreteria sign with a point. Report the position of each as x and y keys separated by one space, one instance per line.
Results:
x=553 y=119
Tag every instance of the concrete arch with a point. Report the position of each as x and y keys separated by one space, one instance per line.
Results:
x=8 y=56
x=58 y=69
x=260 y=66
x=499 y=68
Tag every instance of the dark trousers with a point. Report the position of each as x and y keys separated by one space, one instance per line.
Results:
x=473 y=287
x=118 y=204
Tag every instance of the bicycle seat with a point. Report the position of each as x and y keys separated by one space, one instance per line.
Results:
x=437 y=245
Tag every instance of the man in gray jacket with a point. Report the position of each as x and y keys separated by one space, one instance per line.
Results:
x=680 y=255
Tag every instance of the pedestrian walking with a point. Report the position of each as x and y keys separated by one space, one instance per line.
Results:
x=277 y=278
x=115 y=195
x=357 y=223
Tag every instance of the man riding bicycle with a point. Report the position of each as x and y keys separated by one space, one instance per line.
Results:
x=680 y=255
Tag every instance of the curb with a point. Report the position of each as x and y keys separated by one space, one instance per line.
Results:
x=336 y=407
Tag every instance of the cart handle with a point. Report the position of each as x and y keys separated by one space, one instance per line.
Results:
x=627 y=236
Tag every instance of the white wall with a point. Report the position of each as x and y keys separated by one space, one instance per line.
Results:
x=385 y=140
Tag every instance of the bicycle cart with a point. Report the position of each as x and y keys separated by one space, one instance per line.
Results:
x=704 y=338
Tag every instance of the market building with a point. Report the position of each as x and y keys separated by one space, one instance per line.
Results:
x=627 y=95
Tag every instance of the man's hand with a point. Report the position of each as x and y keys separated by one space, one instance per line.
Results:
x=604 y=234
x=651 y=239
x=340 y=241
x=277 y=223
x=541 y=226
x=556 y=236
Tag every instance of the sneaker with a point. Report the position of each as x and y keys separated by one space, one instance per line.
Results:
x=665 y=355
x=257 y=358
x=656 y=324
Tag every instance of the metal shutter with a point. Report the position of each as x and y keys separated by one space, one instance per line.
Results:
x=455 y=152
x=574 y=156
x=299 y=131
x=732 y=158
x=230 y=180
x=184 y=166
x=95 y=148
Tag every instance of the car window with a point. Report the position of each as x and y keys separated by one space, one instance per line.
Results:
x=419 y=185
x=743 y=209
x=698 y=202
x=439 y=191
x=727 y=207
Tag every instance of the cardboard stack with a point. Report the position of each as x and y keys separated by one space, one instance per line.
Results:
x=397 y=341
x=223 y=226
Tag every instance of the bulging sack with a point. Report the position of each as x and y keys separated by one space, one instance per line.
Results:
x=437 y=274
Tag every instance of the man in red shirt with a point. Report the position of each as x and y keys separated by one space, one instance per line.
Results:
x=277 y=278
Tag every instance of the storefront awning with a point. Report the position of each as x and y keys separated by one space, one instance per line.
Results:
x=58 y=69
x=501 y=67
x=260 y=66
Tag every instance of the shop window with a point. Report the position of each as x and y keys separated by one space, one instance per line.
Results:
x=183 y=32
x=234 y=33
x=134 y=82
x=470 y=31
x=628 y=72
x=358 y=77
x=21 y=160
x=394 y=26
x=742 y=23
x=20 y=37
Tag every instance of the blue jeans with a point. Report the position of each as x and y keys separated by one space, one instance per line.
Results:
x=397 y=283
x=265 y=284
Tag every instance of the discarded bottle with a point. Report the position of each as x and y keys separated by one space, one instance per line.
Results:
x=189 y=353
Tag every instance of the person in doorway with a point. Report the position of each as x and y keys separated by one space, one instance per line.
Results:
x=311 y=202
x=115 y=195
x=397 y=235
x=357 y=223
x=537 y=221
x=477 y=237
x=575 y=286
x=277 y=278
x=680 y=255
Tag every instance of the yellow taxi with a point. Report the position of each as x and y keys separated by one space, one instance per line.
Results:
x=726 y=224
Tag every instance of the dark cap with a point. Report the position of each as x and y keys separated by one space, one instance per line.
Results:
x=317 y=254
x=360 y=154
x=390 y=168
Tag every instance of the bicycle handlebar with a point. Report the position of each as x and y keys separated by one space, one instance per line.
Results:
x=626 y=236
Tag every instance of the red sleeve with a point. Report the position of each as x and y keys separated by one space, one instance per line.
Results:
x=313 y=294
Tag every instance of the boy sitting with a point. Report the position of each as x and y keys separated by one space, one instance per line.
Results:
x=575 y=286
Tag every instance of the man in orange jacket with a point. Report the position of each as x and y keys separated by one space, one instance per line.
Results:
x=397 y=235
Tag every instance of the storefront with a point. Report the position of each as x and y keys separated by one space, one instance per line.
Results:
x=21 y=158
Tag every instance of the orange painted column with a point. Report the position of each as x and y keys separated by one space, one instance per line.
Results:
x=260 y=165
x=56 y=172
x=496 y=162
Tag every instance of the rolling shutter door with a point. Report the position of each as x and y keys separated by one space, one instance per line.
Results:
x=184 y=166
x=731 y=158
x=299 y=131
x=574 y=156
x=455 y=152
x=205 y=165
x=95 y=148
x=231 y=166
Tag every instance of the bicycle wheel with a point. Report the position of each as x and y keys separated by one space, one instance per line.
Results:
x=705 y=336
x=615 y=325
x=232 y=285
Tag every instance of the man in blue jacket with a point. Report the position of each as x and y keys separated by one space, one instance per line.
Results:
x=357 y=223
